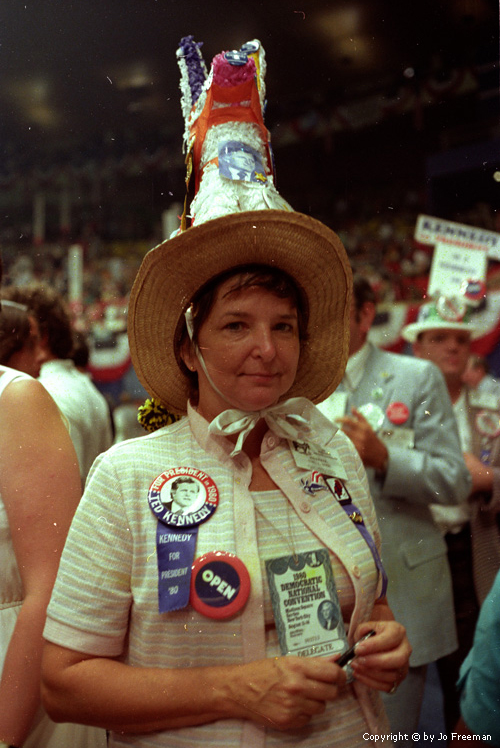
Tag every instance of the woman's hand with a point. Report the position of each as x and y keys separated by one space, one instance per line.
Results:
x=286 y=692
x=382 y=661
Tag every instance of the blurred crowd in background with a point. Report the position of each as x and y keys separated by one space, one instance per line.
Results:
x=381 y=247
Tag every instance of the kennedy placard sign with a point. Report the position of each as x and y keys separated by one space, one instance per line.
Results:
x=431 y=230
x=455 y=268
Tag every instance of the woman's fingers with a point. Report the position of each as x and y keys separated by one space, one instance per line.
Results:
x=382 y=661
x=287 y=691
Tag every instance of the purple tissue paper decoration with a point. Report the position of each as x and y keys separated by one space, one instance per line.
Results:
x=197 y=71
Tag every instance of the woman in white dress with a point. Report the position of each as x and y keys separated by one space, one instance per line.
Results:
x=39 y=492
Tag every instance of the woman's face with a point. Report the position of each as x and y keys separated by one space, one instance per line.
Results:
x=31 y=356
x=250 y=344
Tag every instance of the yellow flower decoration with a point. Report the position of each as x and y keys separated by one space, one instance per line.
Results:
x=153 y=415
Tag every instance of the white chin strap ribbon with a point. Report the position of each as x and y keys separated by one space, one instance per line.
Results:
x=283 y=419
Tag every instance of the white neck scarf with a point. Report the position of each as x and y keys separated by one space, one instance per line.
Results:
x=283 y=419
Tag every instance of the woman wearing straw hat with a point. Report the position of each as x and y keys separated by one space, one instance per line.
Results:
x=256 y=344
x=178 y=630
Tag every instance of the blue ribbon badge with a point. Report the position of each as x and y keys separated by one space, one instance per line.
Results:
x=181 y=498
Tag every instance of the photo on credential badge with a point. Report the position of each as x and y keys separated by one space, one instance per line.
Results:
x=328 y=615
x=305 y=604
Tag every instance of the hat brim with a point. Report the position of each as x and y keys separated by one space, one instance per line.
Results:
x=411 y=332
x=174 y=271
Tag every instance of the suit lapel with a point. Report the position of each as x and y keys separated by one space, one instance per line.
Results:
x=374 y=385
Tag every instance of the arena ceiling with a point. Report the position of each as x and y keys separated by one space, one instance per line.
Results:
x=73 y=71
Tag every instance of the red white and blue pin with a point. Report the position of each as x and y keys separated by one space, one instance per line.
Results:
x=181 y=499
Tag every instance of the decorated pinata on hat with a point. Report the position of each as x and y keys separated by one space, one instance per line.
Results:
x=225 y=139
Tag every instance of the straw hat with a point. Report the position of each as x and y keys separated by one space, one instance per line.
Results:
x=174 y=271
x=443 y=313
x=235 y=223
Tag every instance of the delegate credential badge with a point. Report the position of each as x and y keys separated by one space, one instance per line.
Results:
x=306 y=608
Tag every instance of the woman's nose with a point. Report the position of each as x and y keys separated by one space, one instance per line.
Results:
x=264 y=345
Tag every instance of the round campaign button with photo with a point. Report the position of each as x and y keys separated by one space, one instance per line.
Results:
x=220 y=585
x=451 y=309
x=183 y=497
x=488 y=423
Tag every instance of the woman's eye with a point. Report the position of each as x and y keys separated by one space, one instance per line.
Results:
x=234 y=326
x=284 y=327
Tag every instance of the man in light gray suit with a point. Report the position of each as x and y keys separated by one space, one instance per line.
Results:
x=397 y=411
x=443 y=334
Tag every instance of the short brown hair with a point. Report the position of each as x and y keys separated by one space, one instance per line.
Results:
x=51 y=312
x=15 y=330
x=362 y=292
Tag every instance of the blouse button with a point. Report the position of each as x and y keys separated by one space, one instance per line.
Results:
x=271 y=442
x=356 y=571
x=305 y=506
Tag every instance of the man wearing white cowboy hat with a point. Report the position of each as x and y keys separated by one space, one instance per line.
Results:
x=400 y=419
x=442 y=334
